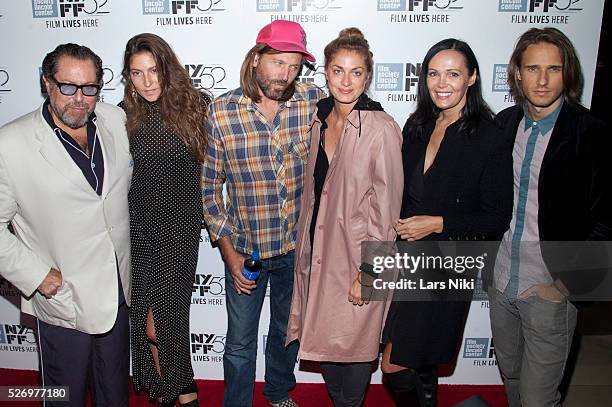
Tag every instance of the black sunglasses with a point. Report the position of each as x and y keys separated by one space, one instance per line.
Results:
x=69 y=89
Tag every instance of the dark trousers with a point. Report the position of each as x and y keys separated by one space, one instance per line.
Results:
x=532 y=339
x=347 y=382
x=78 y=360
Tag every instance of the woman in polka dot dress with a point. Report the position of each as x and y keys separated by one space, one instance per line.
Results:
x=165 y=122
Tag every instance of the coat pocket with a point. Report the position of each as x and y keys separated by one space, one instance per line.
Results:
x=58 y=308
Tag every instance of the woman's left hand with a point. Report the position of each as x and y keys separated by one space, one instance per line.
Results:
x=355 y=294
x=417 y=227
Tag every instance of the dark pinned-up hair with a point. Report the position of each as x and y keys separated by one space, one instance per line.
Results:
x=183 y=107
x=475 y=107
x=573 y=80
x=351 y=39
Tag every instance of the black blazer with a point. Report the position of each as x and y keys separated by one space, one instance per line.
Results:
x=574 y=194
x=469 y=184
x=575 y=182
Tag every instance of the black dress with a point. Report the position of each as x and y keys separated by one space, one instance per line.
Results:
x=470 y=185
x=165 y=202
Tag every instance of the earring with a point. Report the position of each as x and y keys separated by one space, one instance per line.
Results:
x=134 y=94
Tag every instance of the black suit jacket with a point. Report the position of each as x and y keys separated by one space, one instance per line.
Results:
x=575 y=181
x=574 y=192
x=469 y=183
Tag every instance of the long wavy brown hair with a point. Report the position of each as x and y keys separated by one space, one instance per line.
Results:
x=182 y=107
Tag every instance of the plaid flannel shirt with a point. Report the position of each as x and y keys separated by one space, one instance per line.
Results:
x=262 y=166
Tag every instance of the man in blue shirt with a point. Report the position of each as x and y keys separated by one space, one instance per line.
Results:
x=562 y=181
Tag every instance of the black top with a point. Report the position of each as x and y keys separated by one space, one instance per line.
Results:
x=414 y=188
x=469 y=183
x=92 y=165
x=320 y=172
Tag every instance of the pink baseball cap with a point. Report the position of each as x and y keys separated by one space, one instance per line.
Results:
x=285 y=36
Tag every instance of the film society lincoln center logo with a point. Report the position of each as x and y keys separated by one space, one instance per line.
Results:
x=499 y=82
x=301 y=11
x=297 y=5
x=481 y=350
x=183 y=12
x=540 y=11
x=398 y=80
x=70 y=13
x=420 y=11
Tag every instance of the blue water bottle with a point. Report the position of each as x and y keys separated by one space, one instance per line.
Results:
x=252 y=266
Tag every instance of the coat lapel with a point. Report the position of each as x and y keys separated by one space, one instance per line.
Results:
x=109 y=151
x=56 y=155
x=558 y=138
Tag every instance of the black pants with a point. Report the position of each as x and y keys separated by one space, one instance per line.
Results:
x=347 y=382
x=72 y=358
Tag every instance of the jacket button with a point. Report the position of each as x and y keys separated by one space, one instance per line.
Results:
x=319 y=261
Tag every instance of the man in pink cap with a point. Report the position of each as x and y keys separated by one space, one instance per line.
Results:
x=258 y=141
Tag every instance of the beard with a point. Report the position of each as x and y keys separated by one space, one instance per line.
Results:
x=274 y=89
x=75 y=119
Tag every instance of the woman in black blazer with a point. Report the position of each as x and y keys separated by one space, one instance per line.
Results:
x=457 y=186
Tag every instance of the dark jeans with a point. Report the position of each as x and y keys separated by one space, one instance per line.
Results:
x=72 y=358
x=240 y=355
x=347 y=382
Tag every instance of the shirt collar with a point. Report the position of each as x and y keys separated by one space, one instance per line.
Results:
x=91 y=121
x=545 y=124
x=325 y=105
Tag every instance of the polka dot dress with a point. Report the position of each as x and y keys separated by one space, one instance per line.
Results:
x=165 y=223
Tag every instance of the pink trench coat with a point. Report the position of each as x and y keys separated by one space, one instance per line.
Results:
x=361 y=200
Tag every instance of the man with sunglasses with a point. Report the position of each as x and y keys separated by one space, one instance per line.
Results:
x=65 y=171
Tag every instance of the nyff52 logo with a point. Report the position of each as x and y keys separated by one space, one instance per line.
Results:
x=419 y=5
x=314 y=74
x=16 y=335
x=186 y=7
x=208 y=77
x=5 y=77
x=205 y=343
x=539 y=5
x=297 y=5
x=207 y=284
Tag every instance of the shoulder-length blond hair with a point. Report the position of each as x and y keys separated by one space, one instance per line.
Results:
x=248 y=83
x=183 y=108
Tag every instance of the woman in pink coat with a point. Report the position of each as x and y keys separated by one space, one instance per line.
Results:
x=352 y=193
